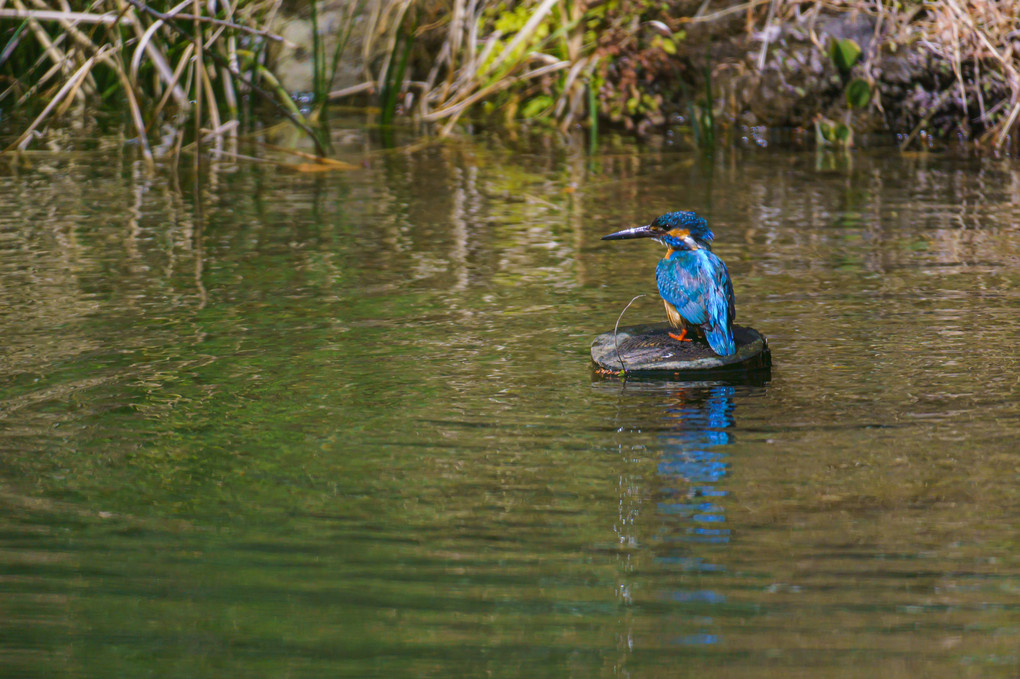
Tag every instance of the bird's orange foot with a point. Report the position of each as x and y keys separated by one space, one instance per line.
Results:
x=682 y=337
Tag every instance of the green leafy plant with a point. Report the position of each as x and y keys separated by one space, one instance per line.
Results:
x=832 y=133
x=844 y=53
x=858 y=93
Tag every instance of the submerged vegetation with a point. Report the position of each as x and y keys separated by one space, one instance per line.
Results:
x=202 y=71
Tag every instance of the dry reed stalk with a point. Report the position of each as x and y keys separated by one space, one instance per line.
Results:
x=736 y=9
x=68 y=99
x=145 y=47
x=37 y=85
x=565 y=110
x=1007 y=126
x=136 y=114
x=175 y=78
x=338 y=164
x=55 y=15
x=458 y=108
x=526 y=33
x=214 y=109
x=195 y=16
x=21 y=142
x=352 y=90
x=59 y=57
x=228 y=79
x=474 y=12
x=230 y=97
x=371 y=25
x=198 y=68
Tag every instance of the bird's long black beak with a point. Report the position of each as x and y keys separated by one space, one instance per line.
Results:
x=637 y=232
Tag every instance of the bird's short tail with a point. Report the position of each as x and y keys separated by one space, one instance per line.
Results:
x=721 y=340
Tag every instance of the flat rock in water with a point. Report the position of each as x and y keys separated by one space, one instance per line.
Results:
x=649 y=348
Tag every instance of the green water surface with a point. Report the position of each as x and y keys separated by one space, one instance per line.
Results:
x=345 y=424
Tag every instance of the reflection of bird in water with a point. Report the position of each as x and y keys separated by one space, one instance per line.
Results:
x=693 y=453
x=693 y=466
x=693 y=282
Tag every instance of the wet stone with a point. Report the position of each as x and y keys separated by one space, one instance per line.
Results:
x=649 y=348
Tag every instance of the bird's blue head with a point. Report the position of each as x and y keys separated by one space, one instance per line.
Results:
x=676 y=230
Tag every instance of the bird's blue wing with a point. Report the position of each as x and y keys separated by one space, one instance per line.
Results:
x=682 y=283
x=698 y=285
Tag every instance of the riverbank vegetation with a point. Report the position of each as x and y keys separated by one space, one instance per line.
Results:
x=206 y=71
x=160 y=65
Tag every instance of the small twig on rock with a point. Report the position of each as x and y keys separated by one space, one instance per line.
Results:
x=616 y=329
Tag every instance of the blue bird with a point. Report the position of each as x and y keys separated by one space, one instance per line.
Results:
x=693 y=282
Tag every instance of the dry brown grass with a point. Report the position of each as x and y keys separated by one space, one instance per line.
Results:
x=982 y=37
x=978 y=39
x=170 y=64
x=476 y=60
x=183 y=63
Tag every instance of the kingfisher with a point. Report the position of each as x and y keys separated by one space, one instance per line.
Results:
x=693 y=282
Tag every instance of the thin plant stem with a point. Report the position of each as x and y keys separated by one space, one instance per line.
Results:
x=199 y=67
x=616 y=329
x=71 y=83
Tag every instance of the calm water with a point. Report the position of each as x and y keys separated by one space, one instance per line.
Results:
x=346 y=425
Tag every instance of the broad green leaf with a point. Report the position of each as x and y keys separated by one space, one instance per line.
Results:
x=844 y=53
x=858 y=93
